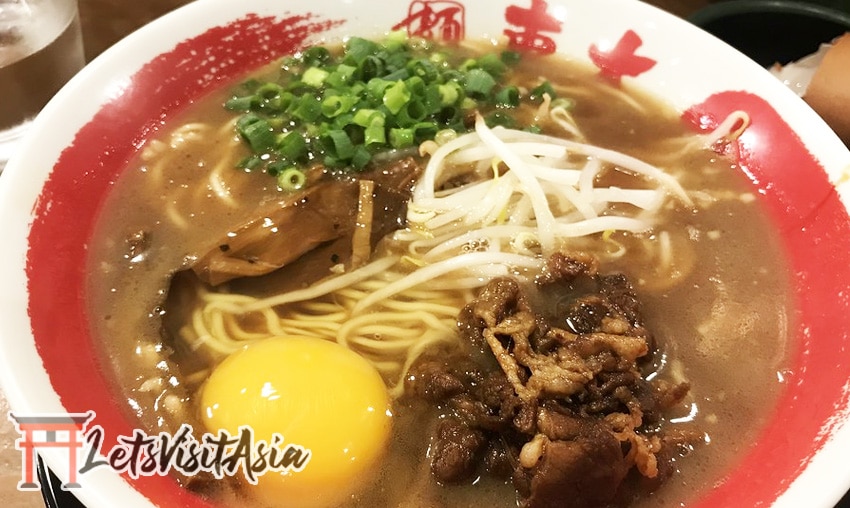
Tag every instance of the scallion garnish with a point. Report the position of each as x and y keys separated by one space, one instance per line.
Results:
x=341 y=107
x=479 y=83
x=291 y=179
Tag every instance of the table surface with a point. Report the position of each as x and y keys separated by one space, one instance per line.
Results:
x=104 y=23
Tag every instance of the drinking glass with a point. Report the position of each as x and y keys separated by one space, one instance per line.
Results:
x=41 y=48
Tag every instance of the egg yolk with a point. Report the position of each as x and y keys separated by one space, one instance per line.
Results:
x=314 y=393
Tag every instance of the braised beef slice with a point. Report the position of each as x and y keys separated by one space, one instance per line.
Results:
x=322 y=215
x=550 y=377
x=437 y=382
x=584 y=471
x=457 y=449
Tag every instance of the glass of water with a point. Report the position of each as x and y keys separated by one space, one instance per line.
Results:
x=41 y=48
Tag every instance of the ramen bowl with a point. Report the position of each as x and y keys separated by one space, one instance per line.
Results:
x=52 y=195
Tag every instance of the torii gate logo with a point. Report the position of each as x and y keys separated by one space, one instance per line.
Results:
x=220 y=454
x=50 y=431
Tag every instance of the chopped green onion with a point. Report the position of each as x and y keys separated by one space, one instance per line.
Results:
x=537 y=92
x=412 y=112
x=376 y=88
x=493 y=64
x=316 y=55
x=256 y=131
x=250 y=86
x=401 y=138
x=395 y=61
x=371 y=67
x=338 y=145
x=291 y=179
x=449 y=92
x=511 y=57
x=468 y=64
x=396 y=39
x=240 y=103
x=314 y=77
x=431 y=98
x=279 y=104
x=308 y=108
x=341 y=77
x=365 y=117
x=423 y=69
x=479 y=82
x=396 y=96
x=292 y=146
x=500 y=118
x=342 y=106
x=508 y=97
x=375 y=133
x=250 y=162
x=360 y=158
x=357 y=49
x=269 y=90
x=416 y=86
x=397 y=75
x=336 y=105
x=423 y=131
x=449 y=115
x=355 y=132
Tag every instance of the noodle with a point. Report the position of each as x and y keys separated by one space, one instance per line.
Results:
x=391 y=337
x=161 y=156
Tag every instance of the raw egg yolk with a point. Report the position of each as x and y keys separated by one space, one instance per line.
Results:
x=316 y=394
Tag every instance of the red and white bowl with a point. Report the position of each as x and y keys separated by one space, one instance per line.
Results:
x=50 y=196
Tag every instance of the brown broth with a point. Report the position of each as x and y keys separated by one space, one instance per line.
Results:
x=722 y=326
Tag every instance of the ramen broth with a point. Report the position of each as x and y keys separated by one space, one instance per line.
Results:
x=719 y=315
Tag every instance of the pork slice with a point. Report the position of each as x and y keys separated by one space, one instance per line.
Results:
x=281 y=233
x=323 y=214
